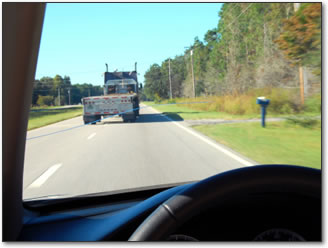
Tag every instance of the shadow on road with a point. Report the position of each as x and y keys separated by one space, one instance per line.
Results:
x=174 y=115
x=144 y=118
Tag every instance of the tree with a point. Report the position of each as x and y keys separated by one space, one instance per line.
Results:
x=48 y=86
x=154 y=83
x=45 y=100
x=58 y=85
x=178 y=75
x=239 y=54
x=67 y=85
x=210 y=38
x=301 y=38
x=41 y=87
x=200 y=88
x=36 y=89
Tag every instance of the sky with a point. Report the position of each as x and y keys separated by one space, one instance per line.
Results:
x=79 y=38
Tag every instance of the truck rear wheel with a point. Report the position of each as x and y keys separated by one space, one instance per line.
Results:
x=91 y=119
x=129 y=117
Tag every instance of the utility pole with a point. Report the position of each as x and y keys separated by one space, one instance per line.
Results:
x=58 y=96
x=300 y=67
x=192 y=73
x=170 y=79
x=69 y=96
x=89 y=92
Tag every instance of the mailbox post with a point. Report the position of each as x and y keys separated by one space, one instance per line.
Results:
x=264 y=104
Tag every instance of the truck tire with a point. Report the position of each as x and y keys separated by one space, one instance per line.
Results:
x=124 y=117
x=133 y=118
x=88 y=119
x=129 y=117
x=136 y=106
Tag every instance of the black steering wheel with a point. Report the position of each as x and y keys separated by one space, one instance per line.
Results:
x=225 y=187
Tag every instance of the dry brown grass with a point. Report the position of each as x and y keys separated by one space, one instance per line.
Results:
x=282 y=101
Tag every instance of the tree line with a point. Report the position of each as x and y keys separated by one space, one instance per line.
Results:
x=255 y=45
x=59 y=91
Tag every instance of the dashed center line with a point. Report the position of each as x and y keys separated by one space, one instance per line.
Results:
x=91 y=136
x=44 y=177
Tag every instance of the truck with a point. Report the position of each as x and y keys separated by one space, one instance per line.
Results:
x=121 y=98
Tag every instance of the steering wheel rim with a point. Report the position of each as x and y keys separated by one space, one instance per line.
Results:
x=213 y=190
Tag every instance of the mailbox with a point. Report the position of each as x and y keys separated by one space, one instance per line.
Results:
x=264 y=104
x=263 y=101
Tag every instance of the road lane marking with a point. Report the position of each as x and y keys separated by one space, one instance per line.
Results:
x=209 y=142
x=44 y=177
x=91 y=136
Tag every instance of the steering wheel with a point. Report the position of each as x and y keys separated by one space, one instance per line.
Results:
x=226 y=187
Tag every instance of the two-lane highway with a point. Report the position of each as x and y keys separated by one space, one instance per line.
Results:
x=114 y=156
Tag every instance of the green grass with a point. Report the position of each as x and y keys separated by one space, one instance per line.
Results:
x=44 y=107
x=278 y=143
x=183 y=112
x=48 y=116
x=53 y=107
x=283 y=103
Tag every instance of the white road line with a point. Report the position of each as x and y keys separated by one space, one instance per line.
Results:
x=44 y=177
x=91 y=136
x=209 y=142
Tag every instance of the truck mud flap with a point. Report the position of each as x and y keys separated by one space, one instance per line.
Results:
x=93 y=119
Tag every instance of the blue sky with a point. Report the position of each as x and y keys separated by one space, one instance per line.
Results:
x=78 y=39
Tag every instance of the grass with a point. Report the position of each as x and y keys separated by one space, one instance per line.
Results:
x=44 y=107
x=185 y=112
x=53 y=107
x=278 y=143
x=283 y=102
x=49 y=116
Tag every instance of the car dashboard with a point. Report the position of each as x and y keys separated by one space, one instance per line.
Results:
x=260 y=216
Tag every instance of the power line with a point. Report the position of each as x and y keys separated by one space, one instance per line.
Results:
x=236 y=18
x=233 y=7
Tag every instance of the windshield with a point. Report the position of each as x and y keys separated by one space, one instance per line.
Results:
x=172 y=93
x=120 y=86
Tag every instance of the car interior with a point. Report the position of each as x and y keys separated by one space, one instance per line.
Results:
x=253 y=203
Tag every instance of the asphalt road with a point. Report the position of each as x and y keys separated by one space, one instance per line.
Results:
x=114 y=156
